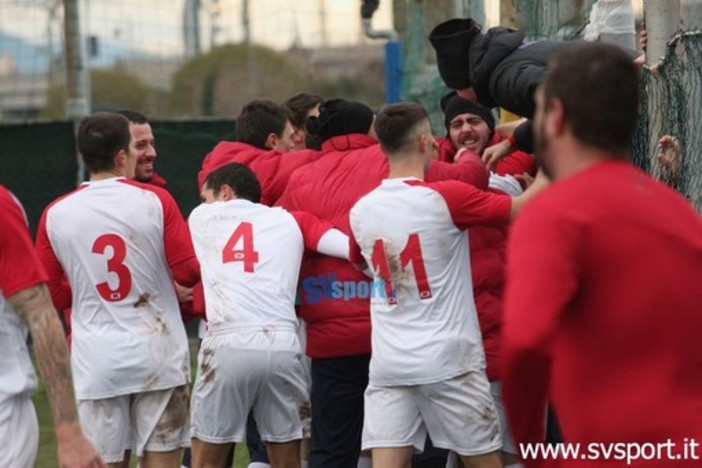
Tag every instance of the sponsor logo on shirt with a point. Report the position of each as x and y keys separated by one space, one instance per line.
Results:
x=326 y=287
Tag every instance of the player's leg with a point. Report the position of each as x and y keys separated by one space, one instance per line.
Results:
x=162 y=422
x=227 y=382
x=277 y=408
x=397 y=457
x=285 y=455
x=258 y=452
x=460 y=415
x=207 y=455
x=337 y=410
x=107 y=424
x=19 y=432
x=392 y=426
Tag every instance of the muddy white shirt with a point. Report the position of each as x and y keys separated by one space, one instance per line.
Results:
x=412 y=235
x=114 y=239
x=19 y=270
x=250 y=258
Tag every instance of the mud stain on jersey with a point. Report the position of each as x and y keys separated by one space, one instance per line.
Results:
x=269 y=331
x=142 y=300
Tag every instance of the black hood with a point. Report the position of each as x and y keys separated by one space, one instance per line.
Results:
x=486 y=52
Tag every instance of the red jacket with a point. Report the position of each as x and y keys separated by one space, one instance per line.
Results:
x=350 y=167
x=518 y=162
x=273 y=168
x=487 y=256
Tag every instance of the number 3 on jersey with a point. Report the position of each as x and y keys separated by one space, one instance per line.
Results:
x=412 y=253
x=243 y=237
x=114 y=265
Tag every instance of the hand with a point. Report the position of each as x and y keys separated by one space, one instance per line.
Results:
x=669 y=157
x=184 y=294
x=493 y=154
x=525 y=180
x=643 y=39
x=459 y=154
x=74 y=450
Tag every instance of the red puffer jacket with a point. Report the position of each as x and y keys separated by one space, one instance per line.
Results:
x=518 y=162
x=338 y=322
x=487 y=256
x=273 y=168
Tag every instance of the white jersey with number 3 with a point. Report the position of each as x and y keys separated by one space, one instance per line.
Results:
x=412 y=235
x=112 y=239
x=250 y=258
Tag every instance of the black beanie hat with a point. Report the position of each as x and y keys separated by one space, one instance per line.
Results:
x=451 y=41
x=340 y=117
x=456 y=105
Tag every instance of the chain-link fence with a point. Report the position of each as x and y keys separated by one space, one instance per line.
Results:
x=672 y=105
x=187 y=58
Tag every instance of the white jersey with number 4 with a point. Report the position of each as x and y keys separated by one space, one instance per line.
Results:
x=412 y=235
x=250 y=258
x=114 y=239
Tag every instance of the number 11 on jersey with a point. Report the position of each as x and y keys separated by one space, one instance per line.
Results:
x=412 y=253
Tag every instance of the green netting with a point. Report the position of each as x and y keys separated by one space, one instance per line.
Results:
x=672 y=105
x=38 y=161
x=421 y=82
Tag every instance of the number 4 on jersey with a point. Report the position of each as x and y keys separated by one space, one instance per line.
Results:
x=242 y=234
x=412 y=253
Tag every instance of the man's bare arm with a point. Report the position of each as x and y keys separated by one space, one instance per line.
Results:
x=34 y=306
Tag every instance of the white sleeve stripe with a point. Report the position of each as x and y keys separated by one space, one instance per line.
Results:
x=334 y=243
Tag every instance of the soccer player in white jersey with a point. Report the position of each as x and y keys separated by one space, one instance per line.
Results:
x=427 y=370
x=120 y=244
x=251 y=357
x=25 y=304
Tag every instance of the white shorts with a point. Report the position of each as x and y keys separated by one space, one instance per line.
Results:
x=243 y=369
x=19 y=432
x=306 y=408
x=508 y=445
x=155 y=421
x=458 y=413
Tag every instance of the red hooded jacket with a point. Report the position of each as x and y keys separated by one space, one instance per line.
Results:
x=517 y=162
x=488 y=259
x=272 y=168
x=338 y=322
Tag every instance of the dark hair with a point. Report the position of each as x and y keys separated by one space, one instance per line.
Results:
x=133 y=117
x=300 y=104
x=100 y=137
x=598 y=85
x=239 y=177
x=260 y=118
x=395 y=123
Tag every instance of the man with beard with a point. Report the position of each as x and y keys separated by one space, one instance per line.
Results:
x=603 y=298
x=471 y=127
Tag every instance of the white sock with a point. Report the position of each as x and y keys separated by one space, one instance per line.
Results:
x=259 y=465
x=364 y=462
x=303 y=463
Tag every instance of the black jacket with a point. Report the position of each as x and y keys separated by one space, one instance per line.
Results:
x=505 y=69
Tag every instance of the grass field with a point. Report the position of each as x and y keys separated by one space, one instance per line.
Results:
x=46 y=456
